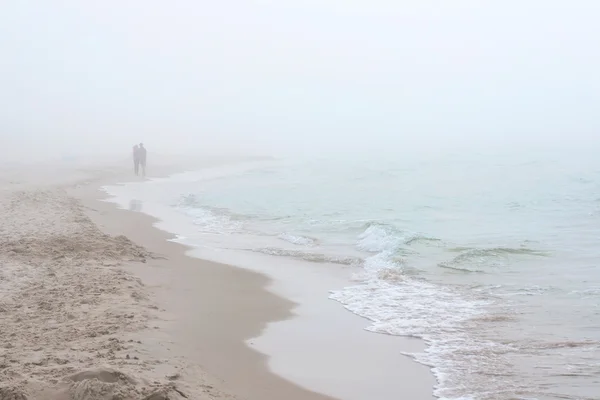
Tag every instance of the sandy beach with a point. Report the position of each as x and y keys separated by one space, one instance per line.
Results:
x=299 y=200
x=97 y=303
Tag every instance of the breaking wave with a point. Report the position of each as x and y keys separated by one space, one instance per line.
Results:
x=379 y=237
x=209 y=219
x=298 y=240
x=479 y=260
x=310 y=257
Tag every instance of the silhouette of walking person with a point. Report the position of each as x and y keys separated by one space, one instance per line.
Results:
x=142 y=158
x=136 y=159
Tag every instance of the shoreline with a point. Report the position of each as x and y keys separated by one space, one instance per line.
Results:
x=305 y=358
x=145 y=316
x=183 y=330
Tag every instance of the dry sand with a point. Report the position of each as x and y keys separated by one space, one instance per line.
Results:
x=70 y=315
x=77 y=322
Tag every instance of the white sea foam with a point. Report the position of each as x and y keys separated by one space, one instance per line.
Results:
x=441 y=316
x=469 y=359
x=400 y=304
x=587 y=292
x=297 y=239
x=310 y=256
x=379 y=237
x=208 y=220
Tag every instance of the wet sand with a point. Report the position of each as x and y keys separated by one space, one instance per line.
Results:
x=209 y=309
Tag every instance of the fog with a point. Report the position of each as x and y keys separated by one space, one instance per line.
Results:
x=278 y=77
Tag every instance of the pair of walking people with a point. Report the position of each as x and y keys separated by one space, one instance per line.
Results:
x=139 y=159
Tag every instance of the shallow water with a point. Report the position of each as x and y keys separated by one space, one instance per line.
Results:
x=492 y=260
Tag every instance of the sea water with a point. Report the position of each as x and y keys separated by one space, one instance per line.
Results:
x=492 y=260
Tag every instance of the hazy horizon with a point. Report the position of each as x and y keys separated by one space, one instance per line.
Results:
x=266 y=77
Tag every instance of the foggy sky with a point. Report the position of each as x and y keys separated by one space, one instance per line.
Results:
x=274 y=76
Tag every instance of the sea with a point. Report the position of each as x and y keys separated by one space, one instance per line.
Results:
x=492 y=259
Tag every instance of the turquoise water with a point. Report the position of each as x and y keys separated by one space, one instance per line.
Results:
x=492 y=260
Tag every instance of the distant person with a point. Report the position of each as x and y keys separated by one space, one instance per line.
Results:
x=142 y=154
x=136 y=159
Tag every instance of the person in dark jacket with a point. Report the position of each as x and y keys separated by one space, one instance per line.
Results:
x=142 y=153
x=136 y=159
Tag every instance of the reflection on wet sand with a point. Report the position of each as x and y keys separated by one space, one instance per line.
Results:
x=135 y=205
